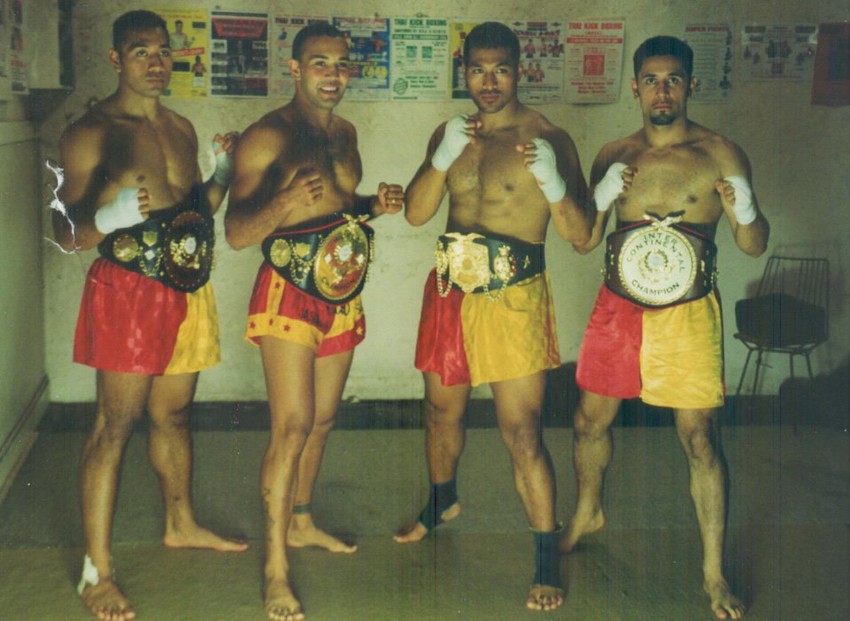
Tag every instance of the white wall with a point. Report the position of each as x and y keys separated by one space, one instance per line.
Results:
x=798 y=153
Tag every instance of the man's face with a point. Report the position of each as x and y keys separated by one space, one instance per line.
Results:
x=663 y=88
x=490 y=79
x=144 y=62
x=322 y=72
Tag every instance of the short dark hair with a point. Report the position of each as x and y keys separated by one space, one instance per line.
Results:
x=316 y=29
x=134 y=20
x=665 y=46
x=491 y=35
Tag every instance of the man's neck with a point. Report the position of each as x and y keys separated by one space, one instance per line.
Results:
x=661 y=136
x=317 y=117
x=506 y=117
x=132 y=104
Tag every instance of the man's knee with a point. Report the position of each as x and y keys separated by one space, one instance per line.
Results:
x=524 y=441
x=593 y=419
x=698 y=435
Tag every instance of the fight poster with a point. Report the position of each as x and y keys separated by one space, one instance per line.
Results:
x=831 y=84
x=188 y=35
x=5 y=31
x=712 y=46
x=368 y=40
x=540 y=77
x=16 y=59
x=594 y=61
x=419 y=48
x=283 y=31
x=239 y=58
x=778 y=51
x=457 y=80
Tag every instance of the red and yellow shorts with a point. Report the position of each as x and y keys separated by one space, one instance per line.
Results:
x=466 y=338
x=282 y=310
x=130 y=323
x=671 y=357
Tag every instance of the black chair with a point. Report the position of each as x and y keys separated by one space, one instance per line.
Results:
x=789 y=313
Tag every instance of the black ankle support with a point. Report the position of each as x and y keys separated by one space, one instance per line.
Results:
x=441 y=497
x=547 y=565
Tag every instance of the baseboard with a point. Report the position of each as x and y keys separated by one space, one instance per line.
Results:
x=15 y=447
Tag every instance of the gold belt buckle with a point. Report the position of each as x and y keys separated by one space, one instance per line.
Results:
x=468 y=263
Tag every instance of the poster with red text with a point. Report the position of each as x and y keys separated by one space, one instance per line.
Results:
x=594 y=60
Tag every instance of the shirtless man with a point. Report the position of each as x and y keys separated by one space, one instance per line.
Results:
x=487 y=312
x=296 y=172
x=147 y=321
x=654 y=334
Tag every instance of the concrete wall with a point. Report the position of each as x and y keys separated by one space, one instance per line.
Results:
x=798 y=152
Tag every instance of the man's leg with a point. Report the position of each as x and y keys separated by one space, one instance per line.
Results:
x=170 y=454
x=290 y=380
x=331 y=374
x=121 y=399
x=699 y=434
x=592 y=449
x=518 y=404
x=444 y=440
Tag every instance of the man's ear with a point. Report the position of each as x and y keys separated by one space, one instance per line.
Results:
x=692 y=86
x=295 y=68
x=634 y=88
x=115 y=59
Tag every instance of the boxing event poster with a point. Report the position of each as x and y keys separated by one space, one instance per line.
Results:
x=457 y=35
x=713 y=55
x=778 y=51
x=831 y=84
x=15 y=17
x=368 y=41
x=540 y=77
x=594 y=61
x=419 y=48
x=188 y=34
x=283 y=31
x=239 y=59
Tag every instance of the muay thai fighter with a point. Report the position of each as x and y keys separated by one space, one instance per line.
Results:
x=147 y=321
x=655 y=332
x=296 y=172
x=487 y=310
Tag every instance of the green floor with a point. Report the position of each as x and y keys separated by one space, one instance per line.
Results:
x=788 y=548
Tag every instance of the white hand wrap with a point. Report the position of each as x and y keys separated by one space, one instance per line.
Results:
x=545 y=170
x=223 y=166
x=121 y=212
x=609 y=187
x=745 y=211
x=454 y=142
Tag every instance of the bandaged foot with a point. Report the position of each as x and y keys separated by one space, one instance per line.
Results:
x=546 y=592
x=442 y=506
x=102 y=596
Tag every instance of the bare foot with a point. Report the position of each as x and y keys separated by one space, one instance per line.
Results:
x=197 y=537
x=418 y=532
x=280 y=602
x=303 y=533
x=106 y=601
x=578 y=528
x=724 y=605
x=544 y=598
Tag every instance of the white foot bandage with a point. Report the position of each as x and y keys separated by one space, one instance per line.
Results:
x=90 y=577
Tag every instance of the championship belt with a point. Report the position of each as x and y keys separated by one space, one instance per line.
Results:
x=659 y=263
x=173 y=246
x=329 y=261
x=477 y=264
